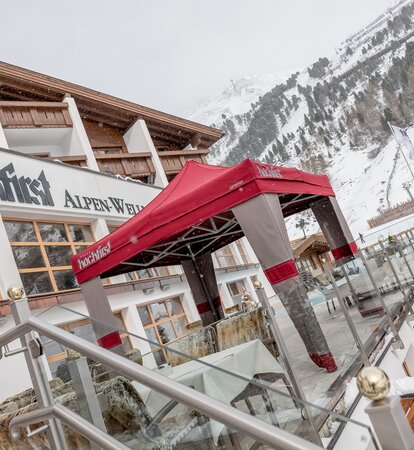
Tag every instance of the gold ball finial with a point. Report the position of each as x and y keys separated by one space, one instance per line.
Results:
x=373 y=383
x=15 y=292
x=257 y=285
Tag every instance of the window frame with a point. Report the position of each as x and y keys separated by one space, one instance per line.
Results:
x=154 y=324
x=42 y=245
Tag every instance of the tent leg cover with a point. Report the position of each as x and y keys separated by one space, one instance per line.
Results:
x=104 y=325
x=262 y=222
x=335 y=229
x=201 y=277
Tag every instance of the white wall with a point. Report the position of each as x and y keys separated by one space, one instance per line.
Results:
x=138 y=140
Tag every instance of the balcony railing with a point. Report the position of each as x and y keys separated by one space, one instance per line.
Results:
x=136 y=165
x=174 y=161
x=34 y=115
x=74 y=160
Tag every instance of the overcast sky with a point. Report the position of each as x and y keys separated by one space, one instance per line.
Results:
x=170 y=54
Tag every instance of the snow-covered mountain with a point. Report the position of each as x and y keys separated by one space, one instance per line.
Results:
x=331 y=117
x=236 y=99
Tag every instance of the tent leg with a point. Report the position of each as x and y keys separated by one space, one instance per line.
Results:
x=262 y=222
x=102 y=319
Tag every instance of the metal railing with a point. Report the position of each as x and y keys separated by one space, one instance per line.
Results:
x=70 y=419
x=210 y=407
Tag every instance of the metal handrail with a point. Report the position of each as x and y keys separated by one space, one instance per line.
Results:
x=71 y=419
x=208 y=406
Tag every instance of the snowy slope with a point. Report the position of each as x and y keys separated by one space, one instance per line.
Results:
x=329 y=118
x=236 y=99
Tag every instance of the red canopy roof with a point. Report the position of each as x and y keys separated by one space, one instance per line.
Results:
x=193 y=214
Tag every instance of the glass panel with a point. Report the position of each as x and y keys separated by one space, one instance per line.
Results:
x=152 y=336
x=131 y=276
x=65 y=279
x=29 y=257
x=246 y=377
x=174 y=306
x=79 y=248
x=51 y=347
x=319 y=341
x=364 y=305
x=59 y=255
x=144 y=273
x=52 y=232
x=162 y=271
x=84 y=331
x=166 y=332
x=119 y=321
x=159 y=311
x=81 y=233
x=36 y=283
x=20 y=231
x=180 y=324
x=144 y=315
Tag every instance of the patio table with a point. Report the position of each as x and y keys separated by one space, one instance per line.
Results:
x=248 y=360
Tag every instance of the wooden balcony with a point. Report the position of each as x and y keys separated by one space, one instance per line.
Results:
x=173 y=162
x=34 y=115
x=134 y=165
x=75 y=160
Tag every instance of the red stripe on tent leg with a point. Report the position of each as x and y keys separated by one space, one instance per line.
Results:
x=281 y=272
x=346 y=250
x=110 y=340
x=205 y=307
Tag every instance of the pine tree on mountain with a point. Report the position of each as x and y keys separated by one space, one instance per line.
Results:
x=327 y=141
x=285 y=140
x=297 y=149
x=308 y=122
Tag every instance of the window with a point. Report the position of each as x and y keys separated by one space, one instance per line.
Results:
x=225 y=257
x=143 y=274
x=56 y=353
x=163 y=322
x=42 y=252
x=236 y=288
x=242 y=251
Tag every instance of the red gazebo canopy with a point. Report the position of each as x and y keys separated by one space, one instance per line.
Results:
x=192 y=215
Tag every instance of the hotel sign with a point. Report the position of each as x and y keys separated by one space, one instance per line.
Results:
x=55 y=186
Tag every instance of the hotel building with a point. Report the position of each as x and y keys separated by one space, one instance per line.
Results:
x=74 y=165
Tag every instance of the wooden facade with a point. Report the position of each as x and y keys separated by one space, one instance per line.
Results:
x=309 y=251
x=34 y=115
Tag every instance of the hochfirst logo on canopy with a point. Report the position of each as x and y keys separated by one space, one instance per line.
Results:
x=269 y=172
x=94 y=256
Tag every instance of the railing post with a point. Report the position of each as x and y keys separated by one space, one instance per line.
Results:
x=346 y=314
x=397 y=344
x=36 y=366
x=89 y=405
x=386 y=413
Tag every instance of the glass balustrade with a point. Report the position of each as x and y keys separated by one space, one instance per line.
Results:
x=246 y=376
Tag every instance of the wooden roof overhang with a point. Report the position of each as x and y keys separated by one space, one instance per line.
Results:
x=21 y=84
x=316 y=243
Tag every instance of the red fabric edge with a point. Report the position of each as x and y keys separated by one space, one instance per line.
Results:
x=110 y=340
x=205 y=307
x=281 y=272
x=346 y=250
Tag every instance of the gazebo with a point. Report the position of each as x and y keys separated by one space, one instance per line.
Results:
x=204 y=208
